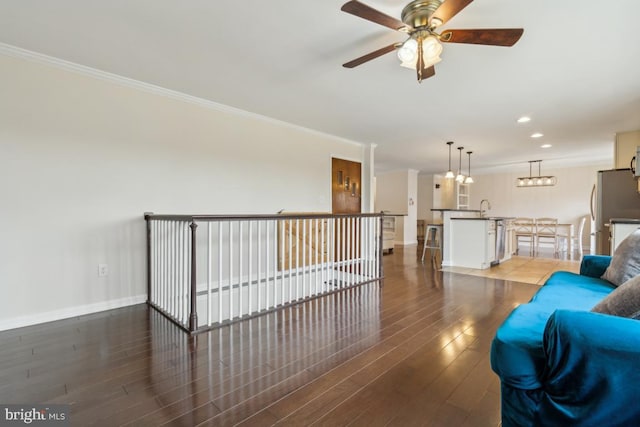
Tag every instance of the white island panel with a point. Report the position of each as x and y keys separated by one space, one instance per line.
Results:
x=473 y=243
x=446 y=218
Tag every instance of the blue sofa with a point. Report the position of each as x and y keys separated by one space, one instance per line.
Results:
x=560 y=364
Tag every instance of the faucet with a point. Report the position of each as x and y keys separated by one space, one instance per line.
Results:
x=482 y=211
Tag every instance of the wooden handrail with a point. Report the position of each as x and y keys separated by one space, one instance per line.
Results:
x=189 y=218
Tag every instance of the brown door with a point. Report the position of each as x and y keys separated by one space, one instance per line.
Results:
x=345 y=186
x=345 y=190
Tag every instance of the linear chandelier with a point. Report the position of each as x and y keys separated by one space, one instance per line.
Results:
x=536 y=181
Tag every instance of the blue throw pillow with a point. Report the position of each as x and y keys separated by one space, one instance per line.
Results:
x=623 y=302
x=625 y=263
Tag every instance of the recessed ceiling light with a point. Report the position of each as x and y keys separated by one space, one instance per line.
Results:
x=546 y=146
x=537 y=135
x=524 y=119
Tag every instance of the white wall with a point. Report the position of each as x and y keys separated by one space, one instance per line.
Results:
x=411 y=220
x=568 y=200
x=426 y=188
x=81 y=159
x=391 y=192
x=444 y=197
x=368 y=179
x=391 y=196
x=394 y=193
x=430 y=197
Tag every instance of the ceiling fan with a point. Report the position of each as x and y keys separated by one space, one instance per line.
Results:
x=420 y=18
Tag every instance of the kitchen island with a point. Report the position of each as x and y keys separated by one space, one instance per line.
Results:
x=446 y=215
x=479 y=242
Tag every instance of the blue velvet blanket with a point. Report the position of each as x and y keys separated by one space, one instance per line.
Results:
x=560 y=364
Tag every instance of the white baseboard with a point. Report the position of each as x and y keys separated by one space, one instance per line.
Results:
x=65 y=313
x=407 y=243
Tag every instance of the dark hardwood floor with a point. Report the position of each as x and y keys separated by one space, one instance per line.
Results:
x=414 y=352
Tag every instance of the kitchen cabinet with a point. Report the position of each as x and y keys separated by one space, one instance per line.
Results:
x=625 y=148
x=388 y=233
x=620 y=229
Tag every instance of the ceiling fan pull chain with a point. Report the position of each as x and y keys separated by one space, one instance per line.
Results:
x=420 y=63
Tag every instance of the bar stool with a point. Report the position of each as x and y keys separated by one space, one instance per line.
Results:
x=432 y=240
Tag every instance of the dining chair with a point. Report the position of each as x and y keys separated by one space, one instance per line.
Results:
x=547 y=231
x=578 y=238
x=524 y=229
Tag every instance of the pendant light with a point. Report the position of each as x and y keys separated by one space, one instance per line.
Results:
x=468 y=179
x=460 y=177
x=450 y=174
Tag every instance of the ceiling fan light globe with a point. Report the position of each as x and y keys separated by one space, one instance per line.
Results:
x=431 y=50
x=406 y=56
x=428 y=62
x=408 y=51
x=431 y=46
x=409 y=65
x=411 y=44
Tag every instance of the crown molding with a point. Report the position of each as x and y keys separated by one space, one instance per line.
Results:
x=20 y=53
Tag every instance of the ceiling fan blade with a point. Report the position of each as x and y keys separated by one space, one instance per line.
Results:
x=426 y=73
x=370 y=14
x=368 y=57
x=449 y=9
x=493 y=37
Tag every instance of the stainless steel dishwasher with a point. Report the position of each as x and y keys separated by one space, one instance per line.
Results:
x=501 y=233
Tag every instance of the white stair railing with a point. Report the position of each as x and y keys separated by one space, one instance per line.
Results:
x=208 y=270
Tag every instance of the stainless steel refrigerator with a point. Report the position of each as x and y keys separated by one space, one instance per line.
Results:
x=615 y=196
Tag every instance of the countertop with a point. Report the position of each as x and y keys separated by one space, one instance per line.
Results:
x=485 y=218
x=455 y=210
x=624 y=221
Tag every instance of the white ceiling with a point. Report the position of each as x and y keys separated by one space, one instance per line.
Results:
x=575 y=71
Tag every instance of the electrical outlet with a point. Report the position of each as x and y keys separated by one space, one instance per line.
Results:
x=103 y=270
